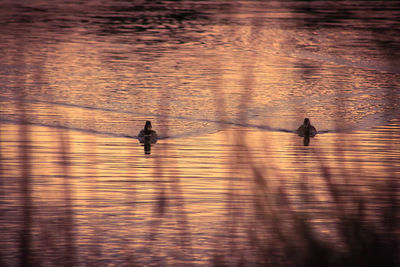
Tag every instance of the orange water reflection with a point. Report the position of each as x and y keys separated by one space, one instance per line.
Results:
x=195 y=198
x=224 y=84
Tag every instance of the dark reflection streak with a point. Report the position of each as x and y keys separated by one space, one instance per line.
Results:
x=96 y=240
x=269 y=213
x=67 y=254
x=161 y=197
x=158 y=212
x=168 y=196
x=340 y=145
x=2 y=182
x=392 y=208
x=1 y=167
x=49 y=238
x=185 y=242
x=64 y=253
x=365 y=245
x=2 y=195
x=241 y=157
x=219 y=100
x=391 y=212
x=70 y=253
x=326 y=174
x=26 y=191
x=25 y=241
x=130 y=199
x=147 y=145
x=313 y=251
x=306 y=140
x=304 y=184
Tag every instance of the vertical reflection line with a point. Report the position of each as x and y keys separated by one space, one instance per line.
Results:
x=26 y=197
x=95 y=242
x=160 y=202
x=2 y=186
x=159 y=206
x=25 y=241
x=221 y=116
x=1 y=167
x=46 y=240
x=182 y=218
x=391 y=207
x=130 y=204
x=185 y=243
x=26 y=194
x=242 y=158
x=239 y=165
x=68 y=231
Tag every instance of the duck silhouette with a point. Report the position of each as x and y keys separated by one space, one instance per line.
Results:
x=306 y=130
x=147 y=136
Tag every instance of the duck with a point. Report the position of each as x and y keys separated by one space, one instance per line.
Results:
x=306 y=130
x=147 y=135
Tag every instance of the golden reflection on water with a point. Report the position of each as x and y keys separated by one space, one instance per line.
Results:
x=199 y=193
x=288 y=81
x=77 y=187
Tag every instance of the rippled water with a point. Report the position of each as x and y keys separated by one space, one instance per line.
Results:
x=225 y=84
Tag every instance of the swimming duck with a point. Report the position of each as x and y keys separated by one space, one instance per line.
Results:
x=147 y=135
x=306 y=130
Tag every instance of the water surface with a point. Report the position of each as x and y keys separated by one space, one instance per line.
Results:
x=225 y=85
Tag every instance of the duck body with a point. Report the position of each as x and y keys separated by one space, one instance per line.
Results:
x=147 y=135
x=306 y=130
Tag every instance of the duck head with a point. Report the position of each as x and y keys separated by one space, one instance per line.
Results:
x=306 y=122
x=147 y=128
x=307 y=127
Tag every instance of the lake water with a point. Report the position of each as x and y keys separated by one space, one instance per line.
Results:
x=225 y=85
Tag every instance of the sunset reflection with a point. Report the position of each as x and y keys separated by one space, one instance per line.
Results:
x=225 y=85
